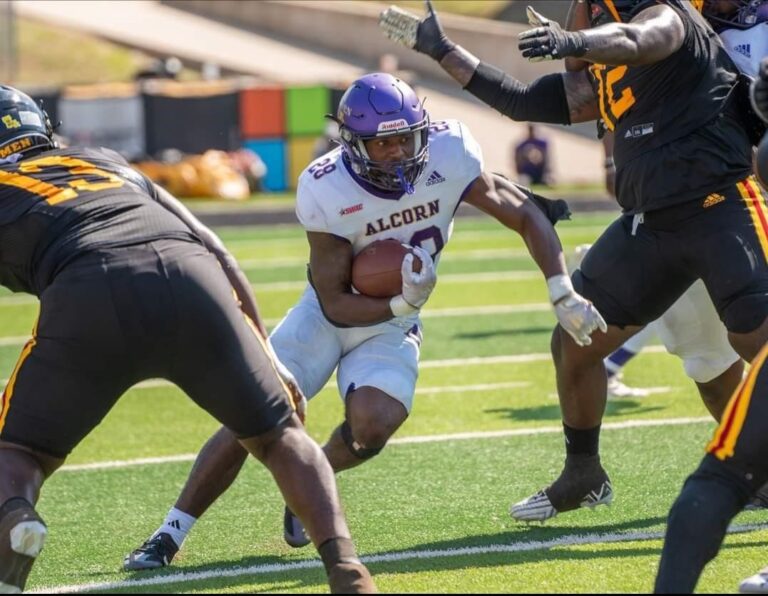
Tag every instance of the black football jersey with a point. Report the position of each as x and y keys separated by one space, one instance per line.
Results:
x=678 y=135
x=56 y=205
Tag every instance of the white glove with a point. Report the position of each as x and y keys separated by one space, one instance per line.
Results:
x=416 y=286
x=576 y=314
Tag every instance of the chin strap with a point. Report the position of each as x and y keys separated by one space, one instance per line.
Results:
x=407 y=186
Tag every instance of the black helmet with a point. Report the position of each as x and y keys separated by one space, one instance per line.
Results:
x=24 y=126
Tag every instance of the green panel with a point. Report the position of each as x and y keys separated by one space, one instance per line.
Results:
x=305 y=108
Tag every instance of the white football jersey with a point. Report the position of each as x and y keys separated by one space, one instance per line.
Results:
x=747 y=47
x=330 y=199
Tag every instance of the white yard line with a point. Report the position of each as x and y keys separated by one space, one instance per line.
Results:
x=257 y=570
x=466 y=436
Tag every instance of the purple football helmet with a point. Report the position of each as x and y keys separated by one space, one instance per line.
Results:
x=743 y=14
x=380 y=105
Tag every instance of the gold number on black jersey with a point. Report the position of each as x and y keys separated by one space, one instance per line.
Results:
x=77 y=168
x=612 y=108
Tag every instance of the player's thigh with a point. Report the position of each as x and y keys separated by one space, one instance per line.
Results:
x=630 y=275
x=692 y=330
x=387 y=361
x=71 y=372
x=220 y=360
x=741 y=439
x=308 y=345
x=728 y=247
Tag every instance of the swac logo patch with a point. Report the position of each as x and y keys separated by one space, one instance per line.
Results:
x=10 y=121
x=352 y=209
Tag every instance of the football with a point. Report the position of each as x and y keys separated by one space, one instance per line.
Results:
x=376 y=268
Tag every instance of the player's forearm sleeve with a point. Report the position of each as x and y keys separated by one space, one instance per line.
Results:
x=544 y=100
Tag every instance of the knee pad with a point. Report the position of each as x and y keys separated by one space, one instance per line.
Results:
x=356 y=448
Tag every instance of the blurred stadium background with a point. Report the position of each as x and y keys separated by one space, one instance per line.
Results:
x=180 y=87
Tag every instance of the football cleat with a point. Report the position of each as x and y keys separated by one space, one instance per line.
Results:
x=22 y=536
x=293 y=530
x=582 y=483
x=755 y=584
x=759 y=501
x=618 y=390
x=156 y=552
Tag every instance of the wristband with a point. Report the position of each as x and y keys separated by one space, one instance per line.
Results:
x=401 y=308
x=609 y=163
x=559 y=287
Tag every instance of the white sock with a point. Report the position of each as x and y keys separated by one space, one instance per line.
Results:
x=177 y=524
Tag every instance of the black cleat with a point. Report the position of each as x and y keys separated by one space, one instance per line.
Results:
x=156 y=552
x=582 y=483
x=293 y=530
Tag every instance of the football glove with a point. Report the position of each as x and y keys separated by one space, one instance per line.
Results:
x=576 y=314
x=423 y=35
x=548 y=41
x=760 y=91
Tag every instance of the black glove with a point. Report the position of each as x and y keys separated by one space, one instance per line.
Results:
x=430 y=37
x=548 y=41
x=760 y=91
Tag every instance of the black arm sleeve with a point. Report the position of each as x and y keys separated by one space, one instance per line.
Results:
x=544 y=100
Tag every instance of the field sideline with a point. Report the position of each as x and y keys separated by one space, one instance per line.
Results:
x=430 y=513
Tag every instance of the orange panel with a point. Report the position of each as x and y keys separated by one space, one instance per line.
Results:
x=262 y=112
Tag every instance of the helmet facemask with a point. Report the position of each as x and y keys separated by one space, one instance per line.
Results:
x=391 y=176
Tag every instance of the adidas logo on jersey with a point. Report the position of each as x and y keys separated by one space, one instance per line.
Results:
x=435 y=178
x=743 y=48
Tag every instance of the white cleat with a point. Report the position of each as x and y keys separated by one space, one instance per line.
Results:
x=755 y=584
x=535 y=508
x=618 y=390
x=539 y=508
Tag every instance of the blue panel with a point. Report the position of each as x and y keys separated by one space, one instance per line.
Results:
x=272 y=153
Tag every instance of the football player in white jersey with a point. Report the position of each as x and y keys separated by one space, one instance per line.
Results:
x=396 y=175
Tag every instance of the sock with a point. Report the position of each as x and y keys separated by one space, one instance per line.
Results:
x=177 y=524
x=616 y=361
x=337 y=550
x=581 y=442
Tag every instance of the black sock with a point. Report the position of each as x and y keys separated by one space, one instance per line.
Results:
x=581 y=442
x=337 y=550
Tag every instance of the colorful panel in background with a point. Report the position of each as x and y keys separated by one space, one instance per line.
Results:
x=300 y=153
x=272 y=153
x=192 y=124
x=305 y=110
x=262 y=112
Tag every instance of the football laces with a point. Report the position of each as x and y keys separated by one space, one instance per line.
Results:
x=399 y=25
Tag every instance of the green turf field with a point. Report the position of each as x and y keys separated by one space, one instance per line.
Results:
x=430 y=513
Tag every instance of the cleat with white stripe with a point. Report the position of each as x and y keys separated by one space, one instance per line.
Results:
x=22 y=536
x=583 y=483
x=755 y=584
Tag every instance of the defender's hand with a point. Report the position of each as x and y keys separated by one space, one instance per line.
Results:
x=760 y=91
x=418 y=286
x=423 y=35
x=576 y=314
x=548 y=41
